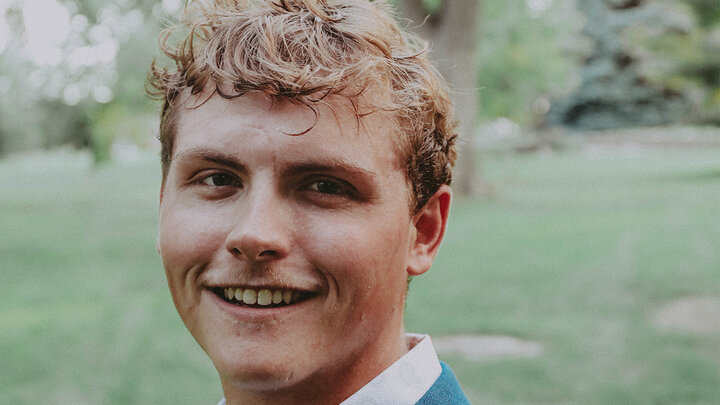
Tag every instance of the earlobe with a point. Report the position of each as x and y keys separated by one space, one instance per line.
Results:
x=429 y=228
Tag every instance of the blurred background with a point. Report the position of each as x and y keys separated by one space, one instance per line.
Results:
x=582 y=262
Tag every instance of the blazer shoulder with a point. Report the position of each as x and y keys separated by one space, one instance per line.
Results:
x=445 y=391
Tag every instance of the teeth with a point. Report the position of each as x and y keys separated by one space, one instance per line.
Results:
x=264 y=297
x=249 y=296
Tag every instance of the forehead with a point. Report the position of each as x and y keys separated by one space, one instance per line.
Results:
x=335 y=122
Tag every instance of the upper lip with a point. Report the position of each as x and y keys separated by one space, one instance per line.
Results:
x=271 y=280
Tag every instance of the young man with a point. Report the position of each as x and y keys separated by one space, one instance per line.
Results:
x=307 y=149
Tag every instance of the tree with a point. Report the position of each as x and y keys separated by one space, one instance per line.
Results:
x=615 y=91
x=70 y=67
x=451 y=27
x=686 y=58
x=527 y=54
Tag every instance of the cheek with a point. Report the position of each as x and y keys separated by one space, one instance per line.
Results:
x=369 y=271
x=365 y=256
x=185 y=238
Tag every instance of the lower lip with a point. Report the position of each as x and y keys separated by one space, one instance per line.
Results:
x=254 y=314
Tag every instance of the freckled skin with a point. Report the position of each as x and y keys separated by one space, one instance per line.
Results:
x=327 y=212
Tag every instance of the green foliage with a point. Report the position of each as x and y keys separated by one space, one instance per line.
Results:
x=707 y=11
x=118 y=121
x=529 y=52
x=55 y=103
x=685 y=58
x=432 y=6
x=522 y=57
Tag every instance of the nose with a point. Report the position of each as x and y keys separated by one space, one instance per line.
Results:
x=260 y=230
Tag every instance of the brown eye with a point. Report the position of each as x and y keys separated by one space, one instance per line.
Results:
x=327 y=187
x=219 y=180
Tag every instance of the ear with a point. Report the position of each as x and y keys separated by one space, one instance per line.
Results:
x=429 y=228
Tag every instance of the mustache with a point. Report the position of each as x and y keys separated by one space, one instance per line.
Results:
x=257 y=275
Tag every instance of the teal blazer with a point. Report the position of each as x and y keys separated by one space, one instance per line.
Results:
x=445 y=390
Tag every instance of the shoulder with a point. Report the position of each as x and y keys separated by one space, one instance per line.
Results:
x=445 y=390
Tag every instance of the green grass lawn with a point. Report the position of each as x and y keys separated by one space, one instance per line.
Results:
x=575 y=251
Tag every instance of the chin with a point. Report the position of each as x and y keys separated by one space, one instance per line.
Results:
x=255 y=367
x=255 y=377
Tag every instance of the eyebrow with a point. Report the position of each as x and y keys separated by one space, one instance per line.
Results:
x=326 y=165
x=211 y=155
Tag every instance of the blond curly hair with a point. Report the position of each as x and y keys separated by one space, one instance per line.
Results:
x=304 y=50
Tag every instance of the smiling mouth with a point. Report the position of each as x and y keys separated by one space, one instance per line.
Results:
x=261 y=298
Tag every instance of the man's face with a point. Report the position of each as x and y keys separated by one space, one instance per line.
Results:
x=320 y=219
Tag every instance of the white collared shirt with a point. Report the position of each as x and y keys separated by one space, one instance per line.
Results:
x=405 y=381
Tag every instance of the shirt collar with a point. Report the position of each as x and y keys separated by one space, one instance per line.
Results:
x=406 y=380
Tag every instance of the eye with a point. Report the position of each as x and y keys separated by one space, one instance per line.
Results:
x=220 y=180
x=328 y=187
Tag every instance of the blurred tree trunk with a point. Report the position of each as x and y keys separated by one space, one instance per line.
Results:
x=451 y=28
